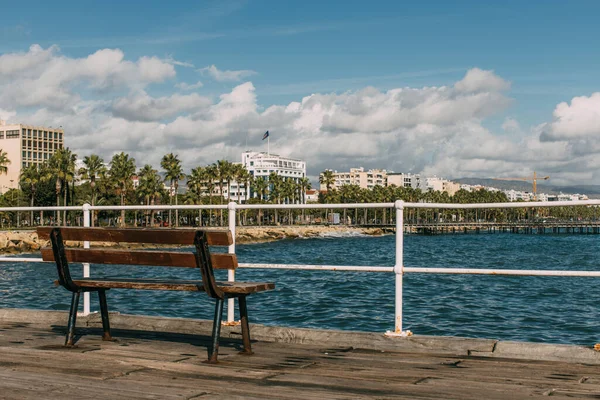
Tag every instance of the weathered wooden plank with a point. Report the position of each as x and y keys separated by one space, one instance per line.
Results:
x=137 y=235
x=166 y=284
x=142 y=257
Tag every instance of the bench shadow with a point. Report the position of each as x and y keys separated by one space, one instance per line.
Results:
x=131 y=335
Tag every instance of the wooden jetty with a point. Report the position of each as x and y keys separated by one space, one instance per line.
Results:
x=145 y=364
x=521 y=227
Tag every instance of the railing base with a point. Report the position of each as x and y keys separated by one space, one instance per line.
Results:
x=398 y=334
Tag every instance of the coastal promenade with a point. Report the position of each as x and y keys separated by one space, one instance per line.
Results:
x=162 y=358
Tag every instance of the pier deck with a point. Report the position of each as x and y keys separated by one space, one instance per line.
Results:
x=164 y=365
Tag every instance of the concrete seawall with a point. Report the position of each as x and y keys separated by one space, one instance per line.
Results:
x=451 y=346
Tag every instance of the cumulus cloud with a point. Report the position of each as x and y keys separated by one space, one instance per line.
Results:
x=106 y=104
x=142 y=107
x=579 y=120
x=189 y=86
x=226 y=75
x=46 y=78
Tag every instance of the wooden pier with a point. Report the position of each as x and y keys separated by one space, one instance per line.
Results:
x=436 y=228
x=163 y=365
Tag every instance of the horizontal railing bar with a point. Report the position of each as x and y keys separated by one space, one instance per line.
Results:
x=411 y=270
x=62 y=208
x=21 y=259
x=162 y=207
x=313 y=206
x=529 y=204
x=518 y=272
x=318 y=267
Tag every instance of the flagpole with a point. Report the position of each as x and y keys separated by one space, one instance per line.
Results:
x=268 y=145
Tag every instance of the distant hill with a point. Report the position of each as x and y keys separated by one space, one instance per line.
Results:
x=593 y=191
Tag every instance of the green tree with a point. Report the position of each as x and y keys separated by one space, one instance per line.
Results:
x=31 y=177
x=173 y=173
x=122 y=170
x=62 y=165
x=93 y=169
x=150 y=188
x=4 y=162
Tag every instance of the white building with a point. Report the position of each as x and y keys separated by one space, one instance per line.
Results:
x=261 y=165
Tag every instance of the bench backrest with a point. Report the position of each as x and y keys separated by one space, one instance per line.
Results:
x=200 y=239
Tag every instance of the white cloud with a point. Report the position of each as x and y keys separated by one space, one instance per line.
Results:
x=478 y=80
x=579 y=120
x=226 y=76
x=105 y=104
x=511 y=125
x=189 y=86
x=142 y=107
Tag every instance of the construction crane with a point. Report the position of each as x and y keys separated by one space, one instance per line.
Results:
x=533 y=180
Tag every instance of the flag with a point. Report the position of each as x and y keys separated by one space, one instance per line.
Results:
x=266 y=135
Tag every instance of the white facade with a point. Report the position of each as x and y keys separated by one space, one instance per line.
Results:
x=261 y=165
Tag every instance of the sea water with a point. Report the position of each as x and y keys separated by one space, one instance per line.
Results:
x=537 y=309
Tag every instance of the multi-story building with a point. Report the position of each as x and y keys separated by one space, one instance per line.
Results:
x=261 y=165
x=405 y=180
x=25 y=145
x=360 y=177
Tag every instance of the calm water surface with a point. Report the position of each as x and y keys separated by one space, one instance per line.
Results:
x=538 y=309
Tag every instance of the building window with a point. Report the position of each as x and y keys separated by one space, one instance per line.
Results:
x=24 y=154
x=12 y=134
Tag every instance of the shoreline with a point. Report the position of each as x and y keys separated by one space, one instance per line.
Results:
x=26 y=241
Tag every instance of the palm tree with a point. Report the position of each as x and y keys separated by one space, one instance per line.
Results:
x=4 y=161
x=31 y=176
x=304 y=185
x=150 y=187
x=327 y=178
x=211 y=175
x=94 y=168
x=260 y=187
x=62 y=165
x=196 y=183
x=224 y=175
x=122 y=169
x=174 y=173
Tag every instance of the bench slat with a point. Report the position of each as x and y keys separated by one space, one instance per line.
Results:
x=137 y=235
x=173 y=284
x=141 y=257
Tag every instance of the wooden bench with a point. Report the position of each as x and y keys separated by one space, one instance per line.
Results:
x=200 y=258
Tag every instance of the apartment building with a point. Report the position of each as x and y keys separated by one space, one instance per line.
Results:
x=25 y=145
x=360 y=177
x=406 y=180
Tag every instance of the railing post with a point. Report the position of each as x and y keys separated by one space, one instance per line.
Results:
x=399 y=271
x=86 y=266
x=231 y=207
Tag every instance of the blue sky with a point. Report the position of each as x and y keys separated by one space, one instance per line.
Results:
x=547 y=50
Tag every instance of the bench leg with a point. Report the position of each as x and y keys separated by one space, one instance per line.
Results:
x=72 y=319
x=245 y=326
x=216 y=332
x=104 y=312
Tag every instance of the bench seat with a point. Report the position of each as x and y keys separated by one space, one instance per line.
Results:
x=231 y=288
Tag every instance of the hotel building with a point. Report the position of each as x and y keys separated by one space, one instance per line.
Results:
x=261 y=164
x=26 y=145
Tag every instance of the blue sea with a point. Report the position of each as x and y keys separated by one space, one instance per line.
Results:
x=536 y=309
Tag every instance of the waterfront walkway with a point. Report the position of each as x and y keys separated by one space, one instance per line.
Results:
x=161 y=358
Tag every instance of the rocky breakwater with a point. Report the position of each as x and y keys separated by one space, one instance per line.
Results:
x=258 y=234
x=14 y=242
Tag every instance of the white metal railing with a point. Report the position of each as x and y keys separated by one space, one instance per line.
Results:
x=398 y=269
